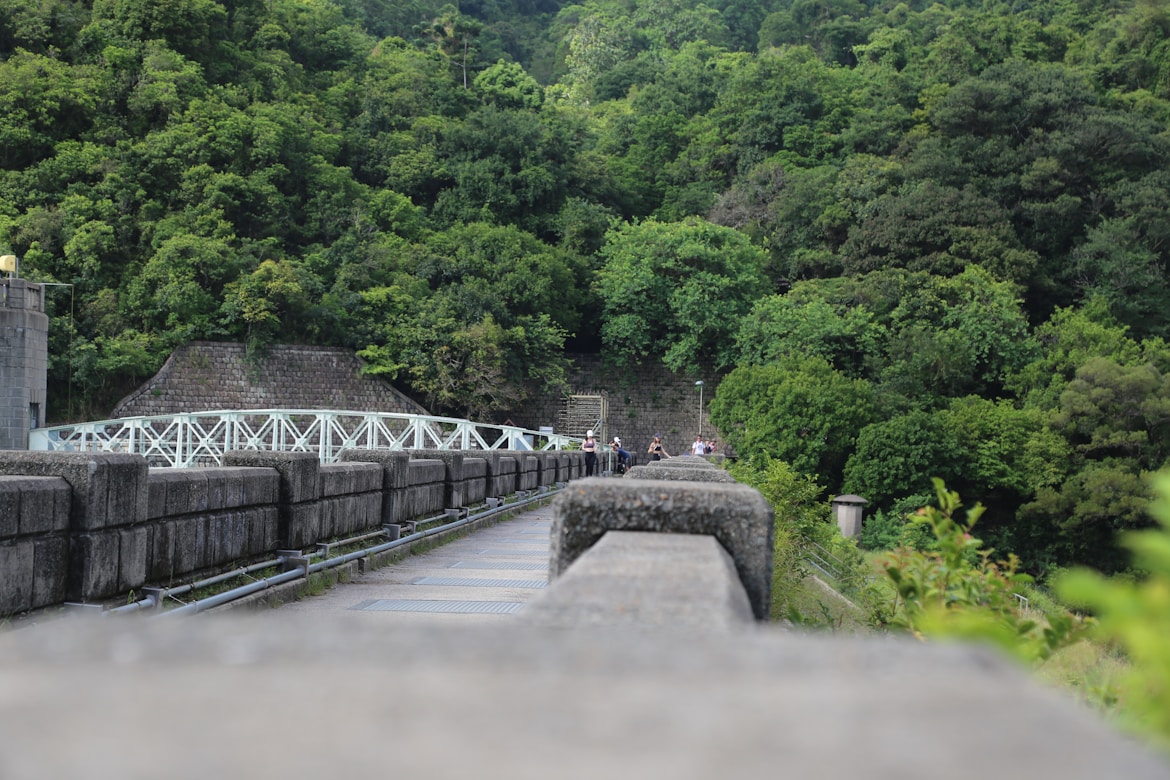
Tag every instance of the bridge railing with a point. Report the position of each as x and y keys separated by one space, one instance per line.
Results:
x=201 y=438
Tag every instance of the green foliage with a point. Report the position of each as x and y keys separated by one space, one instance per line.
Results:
x=798 y=410
x=956 y=590
x=936 y=203
x=886 y=529
x=675 y=291
x=804 y=529
x=1136 y=615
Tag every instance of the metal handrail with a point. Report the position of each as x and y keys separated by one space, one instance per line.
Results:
x=201 y=438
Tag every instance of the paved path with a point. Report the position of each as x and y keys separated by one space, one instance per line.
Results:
x=486 y=576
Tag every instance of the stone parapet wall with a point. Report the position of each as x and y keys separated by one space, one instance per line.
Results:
x=90 y=527
x=210 y=376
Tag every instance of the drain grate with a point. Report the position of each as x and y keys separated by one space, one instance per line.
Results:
x=518 y=541
x=518 y=553
x=471 y=582
x=445 y=607
x=519 y=566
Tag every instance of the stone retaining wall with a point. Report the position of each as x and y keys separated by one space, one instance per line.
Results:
x=643 y=400
x=89 y=527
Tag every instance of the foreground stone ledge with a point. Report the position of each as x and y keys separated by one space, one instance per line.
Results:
x=220 y=698
x=647 y=579
x=736 y=515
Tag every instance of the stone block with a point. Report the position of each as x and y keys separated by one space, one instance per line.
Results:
x=394 y=464
x=108 y=489
x=339 y=479
x=300 y=525
x=16 y=576
x=190 y=544
x=93 y=566
x=529 y=473
x=134 y=552
x=157 y=494
x=395 y=478
x=263 y=530
x=547 y=468
x=299 y=471
x=453 y=460
x=186 y=492
x=259 y=486
x=672 y=581
x=685 y=462
x=736 y=515
x=659 y=471
x=225 y=488
x=50 y=569
x=10 y=506
x=162 y=557
x=235 y=534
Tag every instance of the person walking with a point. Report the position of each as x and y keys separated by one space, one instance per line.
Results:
x=699 y=447
x=589 y=446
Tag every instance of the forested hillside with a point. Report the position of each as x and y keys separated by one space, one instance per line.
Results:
x=924 y=239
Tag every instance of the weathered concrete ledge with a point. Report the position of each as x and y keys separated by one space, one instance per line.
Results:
x=736 y=515
x=647 y=579
x=658 y=471
x=514 y=702
x=682 y=462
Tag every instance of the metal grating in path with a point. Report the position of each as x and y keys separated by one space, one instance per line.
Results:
x=519 y=541
x=519 y=566
x=438 y=606
x=471 y=582
x=518 y=553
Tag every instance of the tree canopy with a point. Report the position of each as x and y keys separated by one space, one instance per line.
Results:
x=916 y=237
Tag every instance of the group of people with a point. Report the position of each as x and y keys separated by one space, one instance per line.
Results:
x=703 y=446
x=656 y=451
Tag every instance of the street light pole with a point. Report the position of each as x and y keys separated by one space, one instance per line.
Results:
x=699 y=385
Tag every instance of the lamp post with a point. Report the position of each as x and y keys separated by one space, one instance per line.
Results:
x=699 y=385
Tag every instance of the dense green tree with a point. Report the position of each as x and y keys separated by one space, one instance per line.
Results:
x=798 y=410
x=676 y=291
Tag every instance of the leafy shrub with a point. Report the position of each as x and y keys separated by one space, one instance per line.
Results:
x=1136 y=615
x=956 y=589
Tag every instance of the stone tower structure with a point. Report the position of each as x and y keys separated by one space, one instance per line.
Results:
x=24 y=357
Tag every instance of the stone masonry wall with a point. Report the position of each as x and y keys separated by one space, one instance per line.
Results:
x=642 y=401
x=90 y=527
x=210 y=376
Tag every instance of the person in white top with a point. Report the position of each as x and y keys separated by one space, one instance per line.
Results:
x=699 y=447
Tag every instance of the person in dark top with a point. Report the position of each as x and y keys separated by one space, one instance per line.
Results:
x=589 y=446
x=656 y=450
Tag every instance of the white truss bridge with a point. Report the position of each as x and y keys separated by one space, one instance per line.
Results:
x=201 y=438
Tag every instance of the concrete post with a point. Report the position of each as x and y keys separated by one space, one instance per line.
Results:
x=848 y=510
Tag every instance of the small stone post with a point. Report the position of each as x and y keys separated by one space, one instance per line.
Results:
x=848 y=510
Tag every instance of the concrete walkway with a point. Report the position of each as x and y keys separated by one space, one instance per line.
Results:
x=485 y=577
